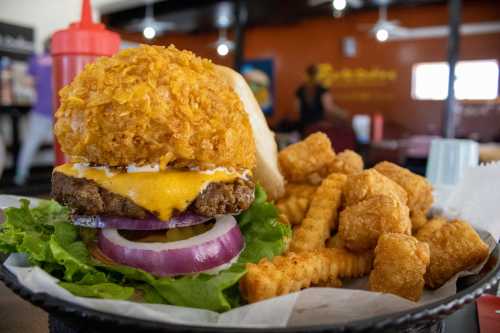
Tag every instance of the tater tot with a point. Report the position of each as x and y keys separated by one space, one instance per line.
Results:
x=321 y=217
x=360 y=225
x=370 y=183
x=419 y=190
x=293 y=272
x=347 y=162
x=455 y=246
x=399 y=266
x=418 y=220
x=307 y=160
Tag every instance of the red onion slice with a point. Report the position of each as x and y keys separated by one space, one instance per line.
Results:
x=218 y=246
x=185 y=219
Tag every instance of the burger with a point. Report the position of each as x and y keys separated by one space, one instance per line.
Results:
x=164 y=149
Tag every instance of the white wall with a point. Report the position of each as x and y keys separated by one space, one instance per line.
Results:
x=47 y=16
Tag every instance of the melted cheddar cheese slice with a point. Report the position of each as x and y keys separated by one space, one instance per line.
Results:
x=160 y=192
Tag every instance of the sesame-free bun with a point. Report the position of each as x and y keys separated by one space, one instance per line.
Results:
x=267 y=172
x=154 y=104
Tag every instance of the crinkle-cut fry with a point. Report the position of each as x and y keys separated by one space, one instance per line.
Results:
x=347 y=162
x=299 y=190
x=370 y=183
x=293 y=272
x=307 y=158
x=335 y=242
x=331 y=283
x=418 y=188
x=294 y=208
x=321 y=216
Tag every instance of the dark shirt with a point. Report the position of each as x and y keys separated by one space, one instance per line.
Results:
x=311 y=107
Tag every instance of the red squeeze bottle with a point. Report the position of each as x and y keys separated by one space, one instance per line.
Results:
x=74 y=47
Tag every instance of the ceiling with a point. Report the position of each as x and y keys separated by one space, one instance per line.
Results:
x=194 y=16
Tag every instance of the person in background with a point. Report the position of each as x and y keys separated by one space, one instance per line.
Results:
x=40 y=118
x=318 y=112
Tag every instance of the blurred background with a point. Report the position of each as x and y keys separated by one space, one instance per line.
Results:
x=372 y=74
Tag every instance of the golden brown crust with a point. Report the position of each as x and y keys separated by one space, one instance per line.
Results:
x=370 y=183
x=294 y=208
x=308 y=160
x=321 y=216
x=293 y=272
x=154 y=105
x=361 y=225
x=418 y=220
x=455 y=246
x=399 y=266
x=295 y=202
x=347 y=162
x=419 y=190
x=426 y=231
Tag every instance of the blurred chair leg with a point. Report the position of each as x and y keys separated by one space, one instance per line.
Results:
x=39 y=128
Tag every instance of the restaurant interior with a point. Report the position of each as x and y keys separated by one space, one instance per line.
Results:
x=383 y=64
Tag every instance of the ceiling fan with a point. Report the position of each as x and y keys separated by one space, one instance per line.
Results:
x=384 y=28
x=343 y=3
x=149 y=26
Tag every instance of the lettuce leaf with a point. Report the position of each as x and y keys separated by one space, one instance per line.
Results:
x=48 y=238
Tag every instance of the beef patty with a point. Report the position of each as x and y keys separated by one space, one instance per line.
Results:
x=86 y=197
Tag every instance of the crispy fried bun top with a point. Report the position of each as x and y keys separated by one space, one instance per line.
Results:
x=154 y=104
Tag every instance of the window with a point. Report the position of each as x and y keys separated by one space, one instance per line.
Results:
x=477 y=79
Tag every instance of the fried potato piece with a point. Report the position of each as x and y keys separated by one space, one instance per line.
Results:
x=347 y=162
x=300 y=190
x=360 y=225
x=455 y=246
x=419 y=190
x=427 y=230
x=293 y=272
x=370 y=183
x=335 y=242
x=399 y=266
x=307 y=160
x=321 y=216
x=294 y=208
x=418 y=220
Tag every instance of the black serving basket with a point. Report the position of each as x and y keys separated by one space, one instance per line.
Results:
x=65 y=317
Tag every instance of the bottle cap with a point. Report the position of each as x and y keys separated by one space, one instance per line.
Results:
x=85 y=37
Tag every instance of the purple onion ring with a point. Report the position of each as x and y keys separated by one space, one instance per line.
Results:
x=220 y=245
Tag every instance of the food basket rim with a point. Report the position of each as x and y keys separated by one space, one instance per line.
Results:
x=432 y=311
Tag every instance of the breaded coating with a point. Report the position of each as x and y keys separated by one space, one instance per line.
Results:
x=370 y=183
x=293 y=272
x=154 y=104
x=321 y=216
x=299 y=190
x=427 y=230
x=418 y=220
x=419 y=190
x=307 y=160
x=399 y=266
x=295 y=203
x=455 y=246
x=347 y=162
x=361 y=225
x=335 y=242
x=294 y=208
